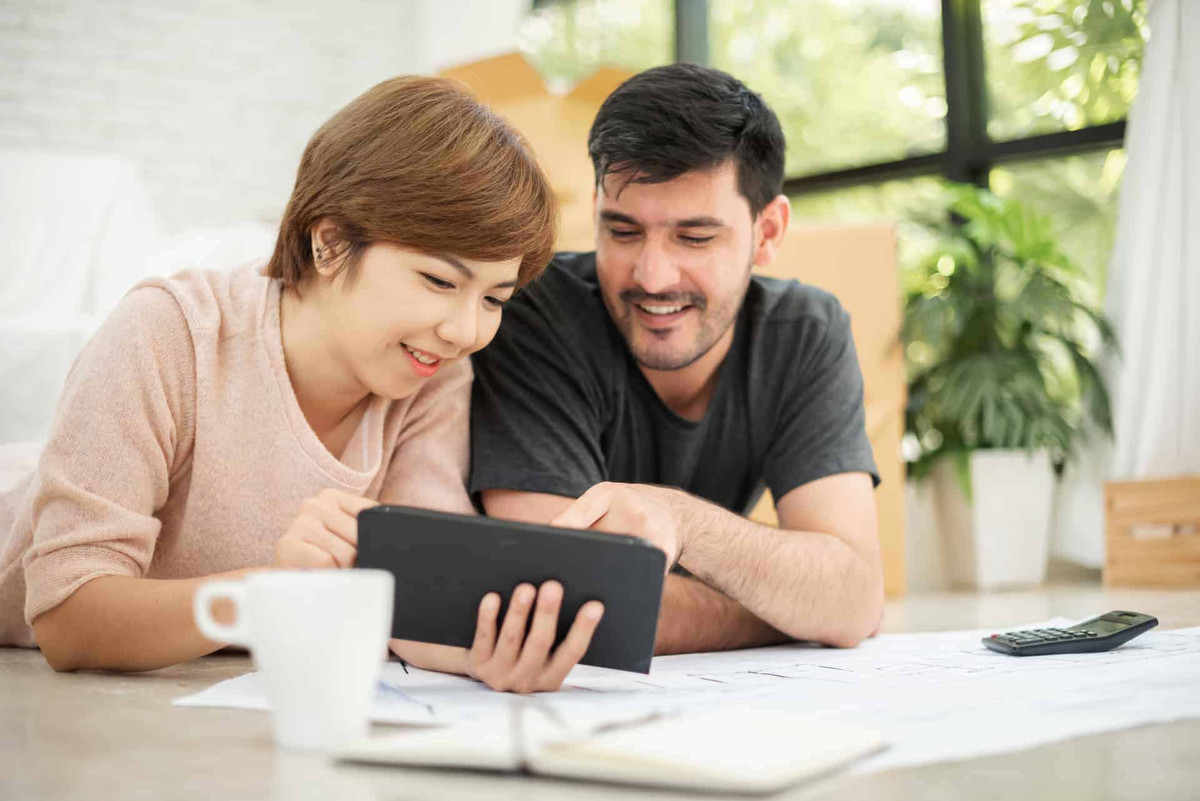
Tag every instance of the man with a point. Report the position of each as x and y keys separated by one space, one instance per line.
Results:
x=654 y=386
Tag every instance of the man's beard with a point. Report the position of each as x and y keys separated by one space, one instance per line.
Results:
x=713 y=325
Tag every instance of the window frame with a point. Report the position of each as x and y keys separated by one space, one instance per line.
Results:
x=970 y=153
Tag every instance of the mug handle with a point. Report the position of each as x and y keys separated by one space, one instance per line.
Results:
x=234 y=591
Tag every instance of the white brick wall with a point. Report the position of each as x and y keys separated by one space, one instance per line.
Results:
x=213 y=100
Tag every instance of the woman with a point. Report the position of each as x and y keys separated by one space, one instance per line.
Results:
x=214 y=412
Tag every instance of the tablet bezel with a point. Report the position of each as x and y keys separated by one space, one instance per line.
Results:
x=444 y=563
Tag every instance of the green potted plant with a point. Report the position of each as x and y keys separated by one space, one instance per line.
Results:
x=1002 y=337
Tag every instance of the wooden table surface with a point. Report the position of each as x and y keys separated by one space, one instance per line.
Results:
x=102 y=736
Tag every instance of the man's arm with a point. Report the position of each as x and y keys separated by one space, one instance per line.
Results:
x=694 y=617
x=819 y=577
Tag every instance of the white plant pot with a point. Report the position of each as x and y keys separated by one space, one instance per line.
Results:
x=999 y=537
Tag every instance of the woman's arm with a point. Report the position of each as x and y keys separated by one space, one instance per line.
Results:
x=131 y=623
x=127 y=623
x=124 y=425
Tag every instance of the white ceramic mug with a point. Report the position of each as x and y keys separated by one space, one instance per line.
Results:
x=319 y=639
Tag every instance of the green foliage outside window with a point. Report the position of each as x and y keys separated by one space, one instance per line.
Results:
x=853 y=81
x=1079 y=195
x=569 y=41
x=1056 y=65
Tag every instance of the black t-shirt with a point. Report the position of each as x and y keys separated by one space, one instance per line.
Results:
x=559 y=403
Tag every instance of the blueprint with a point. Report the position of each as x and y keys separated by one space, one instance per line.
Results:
x=934 y=696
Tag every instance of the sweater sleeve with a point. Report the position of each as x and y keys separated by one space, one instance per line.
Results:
x=432 y=456
x=122 y=428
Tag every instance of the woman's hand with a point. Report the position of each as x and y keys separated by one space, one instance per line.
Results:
x=324 y=532
x=514 y=661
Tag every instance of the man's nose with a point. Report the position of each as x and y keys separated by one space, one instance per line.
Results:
x=655 y=271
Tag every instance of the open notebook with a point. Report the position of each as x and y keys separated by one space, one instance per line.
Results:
x=734 y=749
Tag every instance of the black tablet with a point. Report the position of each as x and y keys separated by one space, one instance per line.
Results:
x=445 y=563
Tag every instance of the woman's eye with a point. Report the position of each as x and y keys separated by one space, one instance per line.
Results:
x=437 y=282
x=495 y=303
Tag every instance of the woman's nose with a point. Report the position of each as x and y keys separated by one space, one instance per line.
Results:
x=460 y=328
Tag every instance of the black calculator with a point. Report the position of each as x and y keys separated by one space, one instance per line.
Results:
x=1098 y=634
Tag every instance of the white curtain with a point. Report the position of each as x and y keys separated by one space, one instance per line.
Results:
x=1154 y=288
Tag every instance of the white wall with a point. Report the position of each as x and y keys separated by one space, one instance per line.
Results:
x=213 y=100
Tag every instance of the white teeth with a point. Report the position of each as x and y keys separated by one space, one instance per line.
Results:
x=421 y=357
x=661 y=309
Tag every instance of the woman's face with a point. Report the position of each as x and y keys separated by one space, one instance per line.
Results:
x=406 y=315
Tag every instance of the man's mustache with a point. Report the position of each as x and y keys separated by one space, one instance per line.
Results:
x=665 y=298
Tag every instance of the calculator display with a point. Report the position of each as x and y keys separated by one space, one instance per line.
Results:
x=1105 y=626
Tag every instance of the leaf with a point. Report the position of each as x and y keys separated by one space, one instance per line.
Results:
x=962 y=471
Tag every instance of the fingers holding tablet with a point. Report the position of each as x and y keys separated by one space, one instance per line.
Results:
x=519 y=657
x=574 y=646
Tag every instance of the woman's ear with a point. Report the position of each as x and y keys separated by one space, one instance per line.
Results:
x=325 y=244
x=770 y=228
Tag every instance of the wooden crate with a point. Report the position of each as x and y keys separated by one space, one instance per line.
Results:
x=1152 y=533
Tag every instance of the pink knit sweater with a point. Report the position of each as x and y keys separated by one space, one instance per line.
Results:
x=179 y=450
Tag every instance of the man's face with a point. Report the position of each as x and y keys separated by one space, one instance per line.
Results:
x=673 y=260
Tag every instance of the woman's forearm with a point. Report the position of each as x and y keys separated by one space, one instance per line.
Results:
x=126 y=623
x=428 y=656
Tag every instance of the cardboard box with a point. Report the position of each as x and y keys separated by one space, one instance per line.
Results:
x=858 y=264
x=1152 y=533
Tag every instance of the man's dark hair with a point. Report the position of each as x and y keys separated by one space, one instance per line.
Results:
x=670 y=120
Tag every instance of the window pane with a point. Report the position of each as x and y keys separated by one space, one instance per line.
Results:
x=899 y=202
x=1080 y=194
x=1060 y=65
x=567 y=41
x=853 y=81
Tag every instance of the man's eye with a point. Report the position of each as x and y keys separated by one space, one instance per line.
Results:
x=437 y=282
x=697 y=240
x=618 y=234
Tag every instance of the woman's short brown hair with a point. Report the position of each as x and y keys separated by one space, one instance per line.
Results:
x=420 y=163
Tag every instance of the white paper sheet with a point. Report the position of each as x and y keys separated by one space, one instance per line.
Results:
x=391 y=704
x=934 y=696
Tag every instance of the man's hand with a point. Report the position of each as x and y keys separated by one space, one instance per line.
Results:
x=514 y=661
x=657 y=514
x=324 y=532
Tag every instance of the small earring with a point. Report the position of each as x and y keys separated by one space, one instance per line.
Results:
x=319 y=254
